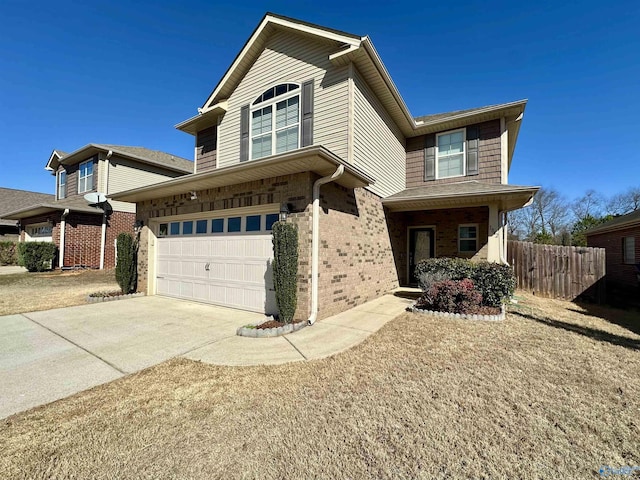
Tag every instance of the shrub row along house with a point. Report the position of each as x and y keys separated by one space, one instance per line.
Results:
x=85 y=232
x=307 y=124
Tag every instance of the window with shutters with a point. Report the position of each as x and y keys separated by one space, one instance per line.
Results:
x=628 y=250
x=275 y=121
x=450 y=154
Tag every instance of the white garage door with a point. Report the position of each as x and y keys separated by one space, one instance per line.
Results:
x=225 y=261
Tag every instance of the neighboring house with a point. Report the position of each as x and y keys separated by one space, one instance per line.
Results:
x=85 y=233
x=10 y=200
x=307 y=121
x=620 y=237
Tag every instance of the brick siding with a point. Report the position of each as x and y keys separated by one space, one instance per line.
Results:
x=617 y=271
x=489 y=163
x=352 y=270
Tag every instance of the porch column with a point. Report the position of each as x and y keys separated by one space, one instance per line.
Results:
x=494 y=242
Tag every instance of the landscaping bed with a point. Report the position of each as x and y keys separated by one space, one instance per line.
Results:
x=270 y=328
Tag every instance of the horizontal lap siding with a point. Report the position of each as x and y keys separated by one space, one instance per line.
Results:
x=125 y=174
x=488 y=158
x=378 y=142
x=206 y=150
x=292 y=58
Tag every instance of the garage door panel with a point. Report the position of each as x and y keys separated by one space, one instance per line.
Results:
x=238 y=275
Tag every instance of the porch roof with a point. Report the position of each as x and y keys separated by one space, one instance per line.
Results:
x=315 y=159
x=74 y=204
x=461 y=194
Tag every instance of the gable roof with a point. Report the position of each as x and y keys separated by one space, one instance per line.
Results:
x=74 y=204
x=140 y=154
x=349 y=48
x=623 y=221
x=12 y=199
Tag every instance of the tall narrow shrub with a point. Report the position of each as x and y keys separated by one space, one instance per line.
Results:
x=126 y=263
x=285 y=268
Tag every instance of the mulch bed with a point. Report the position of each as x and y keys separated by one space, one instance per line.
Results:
x=274 y=324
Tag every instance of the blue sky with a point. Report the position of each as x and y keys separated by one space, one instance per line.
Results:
x=73 y=73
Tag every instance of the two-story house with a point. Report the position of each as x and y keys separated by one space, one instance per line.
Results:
x=85 y=231
x=307 y=124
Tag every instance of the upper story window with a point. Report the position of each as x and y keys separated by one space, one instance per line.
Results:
x=62 y=184
x=450 y=154
x=275 y=121
x=85 y=176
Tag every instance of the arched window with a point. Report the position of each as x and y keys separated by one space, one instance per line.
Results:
x=275 y=121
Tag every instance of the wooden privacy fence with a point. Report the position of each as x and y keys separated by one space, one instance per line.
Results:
x=558 y=272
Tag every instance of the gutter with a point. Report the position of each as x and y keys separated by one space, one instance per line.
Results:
x=315 y=239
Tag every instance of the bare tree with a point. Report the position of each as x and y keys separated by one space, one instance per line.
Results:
x=589 y=205
x=626 y=202
x=551 y=209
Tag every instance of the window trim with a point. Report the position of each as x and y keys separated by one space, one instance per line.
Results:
x=272 y=102
x=464 y=153
x=476 y=238
x=61 y=174
x=629 y=260
x=80 y=177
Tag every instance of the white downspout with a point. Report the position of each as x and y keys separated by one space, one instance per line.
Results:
x=103 y=240
x=63 y=224
x=315 y=239
x=503 y=247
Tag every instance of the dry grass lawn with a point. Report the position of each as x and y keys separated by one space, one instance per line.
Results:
x=552 y=392
x=30 y=292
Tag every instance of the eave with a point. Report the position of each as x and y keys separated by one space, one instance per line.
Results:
x=505 y=200
x=315 y=159
x=45 y=208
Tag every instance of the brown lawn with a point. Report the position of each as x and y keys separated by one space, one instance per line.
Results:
x=30 y=292
x=552 y=392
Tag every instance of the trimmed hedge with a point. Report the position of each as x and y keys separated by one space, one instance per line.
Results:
x=495 y=282
x=453 y=296
x=126 y=263
x=285 y=268
x=8 y=253
x=36 y=256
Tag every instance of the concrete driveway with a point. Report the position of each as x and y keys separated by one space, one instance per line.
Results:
x=45 y=356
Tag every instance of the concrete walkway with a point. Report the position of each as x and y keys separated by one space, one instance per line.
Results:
x=46 y=356
x=11 y=269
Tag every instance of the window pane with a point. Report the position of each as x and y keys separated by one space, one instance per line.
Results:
x=455 y=137
x=271 y=219
x=253 y=223
x=268 y=94
x=233 y=224
x=201 y=226
x=467 y=245
x=467 y=232
x=261 y=147
x=187 y=228
x=281 y=89
x=450 y=166
x=164 y=229
x=287 y=139
x=628 y=249
x=175 y=228
x=217 y=225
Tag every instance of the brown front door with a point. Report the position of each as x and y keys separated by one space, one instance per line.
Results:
x=421 y=243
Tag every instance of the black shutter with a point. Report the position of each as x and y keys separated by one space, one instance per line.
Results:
x=306 y=137
x=473 y=134
x=429 y=158
x=244 y=133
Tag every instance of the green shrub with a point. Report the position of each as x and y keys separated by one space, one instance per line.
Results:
x=8 y=253
x=453 y=296
x=496 y=283
x=36 y=256
x=126 y=274
x=285 y=269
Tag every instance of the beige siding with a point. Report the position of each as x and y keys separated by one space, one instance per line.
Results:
x=292 y=58
x=378 y=146
x=126 y=174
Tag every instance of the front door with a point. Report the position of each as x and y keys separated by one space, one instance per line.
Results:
x=421 y=243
